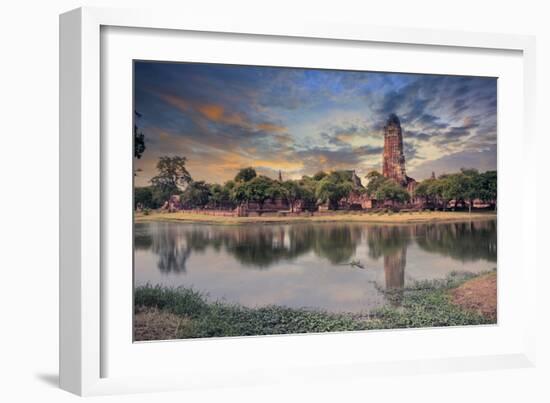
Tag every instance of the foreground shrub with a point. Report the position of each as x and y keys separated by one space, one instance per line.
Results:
x=423 y=304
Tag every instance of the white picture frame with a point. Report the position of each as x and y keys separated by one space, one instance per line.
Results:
x=85 y=195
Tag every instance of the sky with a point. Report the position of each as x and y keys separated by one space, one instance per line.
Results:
x=300 y=121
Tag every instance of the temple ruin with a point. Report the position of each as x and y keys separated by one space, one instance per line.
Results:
x=393 y=158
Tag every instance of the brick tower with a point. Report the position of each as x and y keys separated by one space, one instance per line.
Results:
x=393 y=159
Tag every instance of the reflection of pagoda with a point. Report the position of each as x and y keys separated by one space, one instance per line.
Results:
x=393 y=158
x=394 y=268
x=394 y=273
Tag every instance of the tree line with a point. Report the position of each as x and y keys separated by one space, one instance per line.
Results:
x=463 y=187
x=328 y=188
x=247 y=186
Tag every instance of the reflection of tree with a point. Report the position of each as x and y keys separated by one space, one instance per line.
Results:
x=336 y=244
x=262 y=246
x=172 y=253
x=463 y=241
x=142 y=240
x=253 y=246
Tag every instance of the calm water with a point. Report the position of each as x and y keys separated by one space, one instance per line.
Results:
x=307 y=265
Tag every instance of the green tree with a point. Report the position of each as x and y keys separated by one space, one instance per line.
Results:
x=375 y=180
x=319 y=175
x=292 y=192
x=333 y=188
x=392 y=191
x=257 y=190
x=426 y=190
x=172 y=174
x=139 y=139
x=444 y=190
x=470 y=185
x=245 y=175
x=488 y=187
x=143 y=196
x=197 y=194
x=220 y=196
x=261 y=188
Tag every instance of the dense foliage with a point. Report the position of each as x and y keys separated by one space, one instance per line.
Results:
x=247 y=186
x=384 y=189
x=333 y=187
x=464 y=186
x=327 y=188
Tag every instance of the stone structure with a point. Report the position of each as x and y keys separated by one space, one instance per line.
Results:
x=393 y=158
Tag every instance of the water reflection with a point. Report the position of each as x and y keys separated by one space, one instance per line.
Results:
x=464 y=241
x=311 y=251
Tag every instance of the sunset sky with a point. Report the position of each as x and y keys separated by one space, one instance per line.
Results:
x=223 y=118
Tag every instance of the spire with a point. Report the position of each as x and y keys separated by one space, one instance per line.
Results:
x=433 y=175
x=393 y=119
x=393 y=158
x=280 y=176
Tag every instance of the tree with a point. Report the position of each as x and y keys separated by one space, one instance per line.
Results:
x=139 y=139
x=488 y=187
x=262 y=188
x=470 y=185
x=375 y=180
x=196 y=194
x=333 y=188
x=245 y=175
x=446 y=189
x=319 y=175
x=143 y=196
x=220 y=196
x=292 y=192
x=172 y=174
x=393 y=191
x=257 y=190
x=426 y=190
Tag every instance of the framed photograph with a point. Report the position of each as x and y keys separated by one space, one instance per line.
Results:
x=249 y=202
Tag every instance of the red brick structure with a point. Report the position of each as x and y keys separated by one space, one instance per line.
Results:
x=393 y=158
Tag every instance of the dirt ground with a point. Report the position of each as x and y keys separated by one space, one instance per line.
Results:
x=479 y=295
x=152 y=324
x=394 y=218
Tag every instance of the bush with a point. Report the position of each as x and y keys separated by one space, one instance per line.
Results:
x=422 y=304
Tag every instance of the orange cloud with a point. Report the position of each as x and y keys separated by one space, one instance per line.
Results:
x=175 y=101
x=270 y=127
x=212 y=112
x=217 y=113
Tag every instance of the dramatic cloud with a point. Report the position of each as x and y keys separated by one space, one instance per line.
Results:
x=300 y=121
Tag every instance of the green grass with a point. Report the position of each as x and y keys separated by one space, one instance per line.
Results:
x=425 y=304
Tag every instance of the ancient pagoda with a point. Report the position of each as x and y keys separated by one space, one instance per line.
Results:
x=393 y=158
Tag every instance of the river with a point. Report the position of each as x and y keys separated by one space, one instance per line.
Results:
x=308 y=265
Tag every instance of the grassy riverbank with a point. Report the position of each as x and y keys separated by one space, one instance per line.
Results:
x=368 y=217
x=168 y=313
